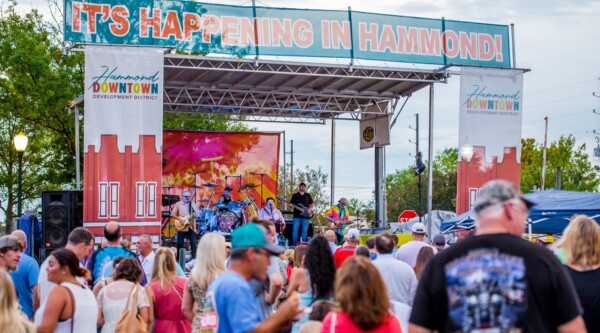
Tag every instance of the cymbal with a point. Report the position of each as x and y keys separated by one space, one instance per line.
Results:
x=204 y=200
x=209 y=185
x=248 y=186
x=196 y=186
x=167 y=187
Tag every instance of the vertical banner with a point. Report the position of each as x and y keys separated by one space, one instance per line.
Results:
x=123 y=139
x=206 y=162
x=490 y=120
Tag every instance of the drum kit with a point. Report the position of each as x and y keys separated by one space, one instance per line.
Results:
x=221 y=217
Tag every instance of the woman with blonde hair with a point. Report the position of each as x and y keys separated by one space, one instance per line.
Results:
x=210 y=262
x=11 y=319
x=581 y=246
x=70 y=306
x=165 y=294
x=364 y=304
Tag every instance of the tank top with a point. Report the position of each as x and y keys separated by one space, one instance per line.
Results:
x=86 y=311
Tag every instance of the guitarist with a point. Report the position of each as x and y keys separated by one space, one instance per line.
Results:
x=302 y=199
x=337 y=215
x=182 y=211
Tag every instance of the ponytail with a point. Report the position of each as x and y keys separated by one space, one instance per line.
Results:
x=83 y=272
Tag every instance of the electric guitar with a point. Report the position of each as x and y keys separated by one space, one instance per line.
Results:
x=303 y=209
x=190 y=221
x=333 y=222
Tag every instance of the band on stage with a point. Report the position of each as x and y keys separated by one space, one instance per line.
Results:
x=189 y=217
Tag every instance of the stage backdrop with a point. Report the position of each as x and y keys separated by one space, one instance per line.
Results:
x=223 y=159
x=491 y=110
x=123 y=139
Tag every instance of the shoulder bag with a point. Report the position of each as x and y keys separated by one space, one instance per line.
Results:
x=132 y=321
x=72 y=307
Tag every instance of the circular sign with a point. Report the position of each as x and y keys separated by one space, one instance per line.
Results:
x=368 y=134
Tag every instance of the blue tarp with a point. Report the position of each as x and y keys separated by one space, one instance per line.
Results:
x=550 y=215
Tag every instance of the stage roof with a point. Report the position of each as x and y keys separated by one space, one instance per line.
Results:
x=292 y=92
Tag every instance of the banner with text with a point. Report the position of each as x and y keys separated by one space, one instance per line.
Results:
x=247 y=162
x=490 y=124
x=243 y=30
x=123 y=138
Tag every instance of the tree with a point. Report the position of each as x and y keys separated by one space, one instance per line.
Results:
x=403 y=193
x=204 y=122
x=36 y=82
x=577 y=171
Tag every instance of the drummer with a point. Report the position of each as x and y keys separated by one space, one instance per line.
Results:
x=224 y=199
x=271 y=213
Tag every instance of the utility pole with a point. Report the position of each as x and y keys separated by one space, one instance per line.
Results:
x=418 y=165
x=292 y=165
x=418 y=157
x=544 y=154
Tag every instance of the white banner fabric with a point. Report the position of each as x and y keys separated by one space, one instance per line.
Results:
x=491 y=110
x=123 y=95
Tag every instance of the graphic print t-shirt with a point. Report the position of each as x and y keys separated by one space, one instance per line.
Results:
x=494 y=283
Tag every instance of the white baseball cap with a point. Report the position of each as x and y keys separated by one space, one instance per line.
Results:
x=418 y=228
x=353 y=234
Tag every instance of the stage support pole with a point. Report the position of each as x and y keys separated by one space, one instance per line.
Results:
x=332 y=180
x=430 y=166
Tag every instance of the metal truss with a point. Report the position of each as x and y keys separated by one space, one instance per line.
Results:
x=303 y=69
x=286 y=92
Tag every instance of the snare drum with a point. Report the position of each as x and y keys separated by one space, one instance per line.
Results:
x=227 y=221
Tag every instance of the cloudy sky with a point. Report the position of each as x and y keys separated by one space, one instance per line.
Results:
x=558 y=40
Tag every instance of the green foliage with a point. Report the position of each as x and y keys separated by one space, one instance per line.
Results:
x=193 y=121
x=577 y=172
x=36 y=83
x=403 y=191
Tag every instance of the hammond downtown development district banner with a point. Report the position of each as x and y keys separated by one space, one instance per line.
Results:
x=490 y=123
x=123 y=138
x=243 y=30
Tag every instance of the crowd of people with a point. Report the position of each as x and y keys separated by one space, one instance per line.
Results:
x=492 y=280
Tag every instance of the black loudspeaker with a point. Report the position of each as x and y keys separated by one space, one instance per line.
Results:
x=289 y=226
x=62 y=211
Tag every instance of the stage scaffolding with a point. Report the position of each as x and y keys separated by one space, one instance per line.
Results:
x=276 y=91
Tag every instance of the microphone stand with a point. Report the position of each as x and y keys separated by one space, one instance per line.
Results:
x=261 y=187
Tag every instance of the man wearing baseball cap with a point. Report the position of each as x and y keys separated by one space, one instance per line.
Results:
x=409 y=251
x=304 y=200
x=10 y=252
x=338 y=215
x=231 y=304
x=439 y=242
x=345 y=252
x=495 y=281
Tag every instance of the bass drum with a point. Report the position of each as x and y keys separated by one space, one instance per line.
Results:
x=237 y=207
x=227 y=221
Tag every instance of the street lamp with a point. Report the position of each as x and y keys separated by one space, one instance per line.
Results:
x=20 y=142
x=466 y=152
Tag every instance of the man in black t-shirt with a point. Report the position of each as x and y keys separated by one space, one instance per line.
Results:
x=495 y=281
x=304 y=201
